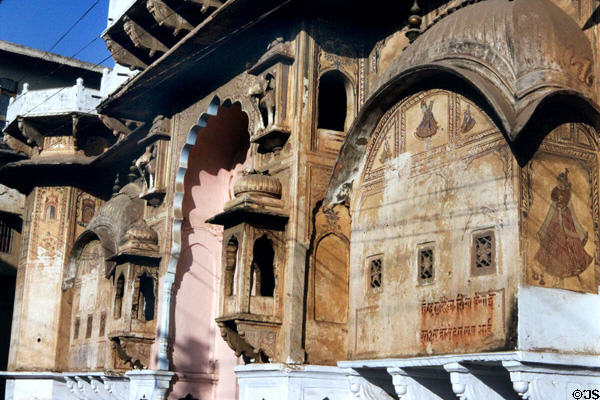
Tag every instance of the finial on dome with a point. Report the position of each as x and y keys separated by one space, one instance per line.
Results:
x=414 y=22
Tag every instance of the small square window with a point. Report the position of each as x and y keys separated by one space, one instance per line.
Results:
x=483 y=253
x=426 y=264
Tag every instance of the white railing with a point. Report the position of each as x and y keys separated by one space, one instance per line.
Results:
x=42 y=102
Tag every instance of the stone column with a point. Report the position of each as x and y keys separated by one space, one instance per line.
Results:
x=37 y=320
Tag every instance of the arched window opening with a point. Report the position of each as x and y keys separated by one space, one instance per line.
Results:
x=231 y=253
x=146 y=297
x=262 y=278
x=119 y=297
x=335 y=101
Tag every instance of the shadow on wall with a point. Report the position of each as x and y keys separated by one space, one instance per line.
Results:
x=220 y=153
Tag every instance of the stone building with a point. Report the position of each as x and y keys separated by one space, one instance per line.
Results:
x=22 y=68
x=331 y=200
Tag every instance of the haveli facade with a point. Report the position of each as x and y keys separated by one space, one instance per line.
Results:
x=327 y=199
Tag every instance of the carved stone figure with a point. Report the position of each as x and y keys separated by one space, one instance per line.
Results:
x=264 y=92
x=146 y=165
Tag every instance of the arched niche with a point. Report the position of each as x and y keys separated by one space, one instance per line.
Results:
x=262 y=270
x=328 y=284
x=335 y=101
x=87 y=310
x=331 y=261
x=560 y=210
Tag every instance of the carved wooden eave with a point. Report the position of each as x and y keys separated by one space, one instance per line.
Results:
x=279 y=52
x=122 y=55
x=165 y=15
x=518 y=70
x=142 y=38
x=207 y=4
x=197 y=50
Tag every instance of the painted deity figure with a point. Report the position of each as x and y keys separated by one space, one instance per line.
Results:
x=428 y=126
x=561 y=237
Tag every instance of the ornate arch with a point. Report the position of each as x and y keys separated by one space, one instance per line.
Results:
x=183 y=162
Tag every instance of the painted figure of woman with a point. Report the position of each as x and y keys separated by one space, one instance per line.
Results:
x=562 y=238
x=428 y=126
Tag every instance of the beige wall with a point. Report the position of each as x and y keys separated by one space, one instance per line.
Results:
x=437 y=173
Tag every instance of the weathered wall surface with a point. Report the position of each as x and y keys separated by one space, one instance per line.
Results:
x=91 y=312
x=39 y=281
x=434 y=243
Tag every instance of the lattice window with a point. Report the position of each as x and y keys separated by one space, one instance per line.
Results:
x=5 y=238
x=375 y=273
x=483 y=253
x=426 y=263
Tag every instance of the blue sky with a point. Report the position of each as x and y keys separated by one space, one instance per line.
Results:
x=40 y=23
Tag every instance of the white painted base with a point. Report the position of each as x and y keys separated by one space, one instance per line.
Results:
x=135 y=385
x=285 y=382
x=558 y=320
x=489 y=376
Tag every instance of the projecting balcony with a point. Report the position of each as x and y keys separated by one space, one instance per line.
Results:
x=56 y=101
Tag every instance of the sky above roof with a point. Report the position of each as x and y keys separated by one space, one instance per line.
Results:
x=40 y=23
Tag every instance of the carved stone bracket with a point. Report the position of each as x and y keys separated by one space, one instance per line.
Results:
x=207 y=4
x=31 y=134
x=459 y=378
x=164 y=15
x=521 y=382
x=271 y=139
x=122 y=55
x=363 y=389
x=277 y=51
x=142 y=38
x=240 y=346
x=118 y=128
x=401 y=382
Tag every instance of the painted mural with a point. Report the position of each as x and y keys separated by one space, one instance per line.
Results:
x=560 y=210
x=427 y=249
